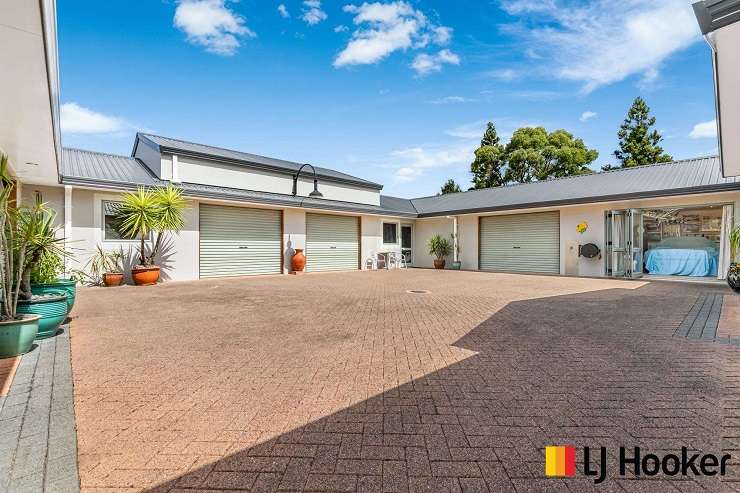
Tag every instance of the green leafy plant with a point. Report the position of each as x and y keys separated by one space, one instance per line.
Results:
x=735 y=244
x=157 y=210
x=26 y=235
x=48 y=269
x=439 y=246
x=101 y=262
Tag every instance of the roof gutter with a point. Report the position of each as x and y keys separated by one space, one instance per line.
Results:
x=302 y=203
x=51 y=55
x=727 y=187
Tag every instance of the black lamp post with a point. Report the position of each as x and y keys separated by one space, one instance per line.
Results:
x=315 y=194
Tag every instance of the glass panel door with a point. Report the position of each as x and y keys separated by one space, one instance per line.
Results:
x=616 y=243
x=635 y=242
x=406 y=238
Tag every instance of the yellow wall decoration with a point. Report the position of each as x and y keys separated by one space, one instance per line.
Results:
x=582 y=227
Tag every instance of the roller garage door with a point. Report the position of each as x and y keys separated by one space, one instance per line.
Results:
x=520 y=243
x=237 y=241
x=332 y=242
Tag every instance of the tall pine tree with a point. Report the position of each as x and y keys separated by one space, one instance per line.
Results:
x=488 y=166
x=638 y=143
x=450 y=186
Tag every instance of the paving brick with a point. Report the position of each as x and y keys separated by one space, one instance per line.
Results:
x=346 y=382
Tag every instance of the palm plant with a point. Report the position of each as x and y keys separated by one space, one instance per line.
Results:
x=102 y=262
x=151 y=210
x=439 y=246
x=36 y=225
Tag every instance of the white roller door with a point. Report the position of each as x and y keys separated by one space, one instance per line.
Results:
x=237 y=241
x=332 y=242
x=520 y=243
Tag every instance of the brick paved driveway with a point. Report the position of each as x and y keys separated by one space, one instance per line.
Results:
x=347 y=382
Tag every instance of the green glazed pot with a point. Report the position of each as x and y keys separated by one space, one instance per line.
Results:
x=53 y=311
x=69 y=286
x=16 y=336
x=456 y=265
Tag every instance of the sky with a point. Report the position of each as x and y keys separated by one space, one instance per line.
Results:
x=395 y=92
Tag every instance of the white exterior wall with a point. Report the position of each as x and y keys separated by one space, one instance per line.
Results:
x=193 y=170
x=727 y=41
x=425 y=229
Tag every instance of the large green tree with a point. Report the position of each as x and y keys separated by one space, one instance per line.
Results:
x=638 y=142
x=450 y=186
x=534 y=154
x=488 y=166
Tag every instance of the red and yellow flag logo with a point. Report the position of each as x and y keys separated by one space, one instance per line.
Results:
x=560 y=461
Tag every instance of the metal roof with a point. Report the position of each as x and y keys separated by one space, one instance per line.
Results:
x=714 y=14
x=201 y=150
x=100 y=170
x=690 y=176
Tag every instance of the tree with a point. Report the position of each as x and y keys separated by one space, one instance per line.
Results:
x=450 y=186
x=488 y=166
x=638 y=144
x=533 y=154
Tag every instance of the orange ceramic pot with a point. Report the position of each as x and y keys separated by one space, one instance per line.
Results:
x=144 y=276
x=298 y=262
x=113 y=278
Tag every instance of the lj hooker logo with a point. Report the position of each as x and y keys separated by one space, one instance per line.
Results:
x=560 y=461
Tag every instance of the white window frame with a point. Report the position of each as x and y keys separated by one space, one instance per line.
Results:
x=397 y=224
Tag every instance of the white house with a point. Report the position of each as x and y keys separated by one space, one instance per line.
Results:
x=245 y=217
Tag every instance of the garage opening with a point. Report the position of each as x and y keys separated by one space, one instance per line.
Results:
x=239 y=241
x=520 y=243
x=672 y=243
x=332 y=242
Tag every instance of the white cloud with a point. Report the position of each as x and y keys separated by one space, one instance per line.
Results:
x=587 y=115
x=413 y=162
x=505 y=74
x=453 y=100
x=283 y=10
x=76 y=119
x=600 y=41
x=425 y=64
x=341 y=28
x=312 y=12
x=211 y=24
x=704 y=130
x=384 y=28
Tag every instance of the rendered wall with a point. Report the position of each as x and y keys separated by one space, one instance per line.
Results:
x=193 y=170
x=727 y=40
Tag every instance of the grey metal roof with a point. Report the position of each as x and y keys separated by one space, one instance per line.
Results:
x=690 y=176
x=202 y=150
x=714 y=14
x=104 y=167
x=100 y=170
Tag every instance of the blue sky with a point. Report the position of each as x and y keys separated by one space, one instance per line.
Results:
x=396 y=92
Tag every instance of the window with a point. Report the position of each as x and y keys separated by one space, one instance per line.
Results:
x=111 y=222
x=390 y=233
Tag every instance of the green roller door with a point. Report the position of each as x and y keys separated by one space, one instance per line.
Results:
x=237 y=241
x=331 y=242
x=520 y=243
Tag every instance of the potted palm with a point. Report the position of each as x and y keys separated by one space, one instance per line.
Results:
x=148 y=211
x=106 y=267
x=44 y=245
x=440 y=248
x=46 y=276
x=17 y=330
x=733 y=274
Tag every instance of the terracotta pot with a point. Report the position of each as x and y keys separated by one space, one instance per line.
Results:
x=144 y=276
x=439 y=264
x=113 y=278
x=298 y=262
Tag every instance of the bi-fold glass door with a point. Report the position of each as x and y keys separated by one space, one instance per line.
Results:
x=624 y=251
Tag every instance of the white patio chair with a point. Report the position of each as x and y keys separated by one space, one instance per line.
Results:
x=371 y=263
x=397 y=261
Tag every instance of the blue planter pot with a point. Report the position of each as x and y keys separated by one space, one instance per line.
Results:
x=69 y=286
x=53 y=310
x=16 y=336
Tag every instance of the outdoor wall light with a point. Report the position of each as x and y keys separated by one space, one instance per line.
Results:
x=315 y=194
